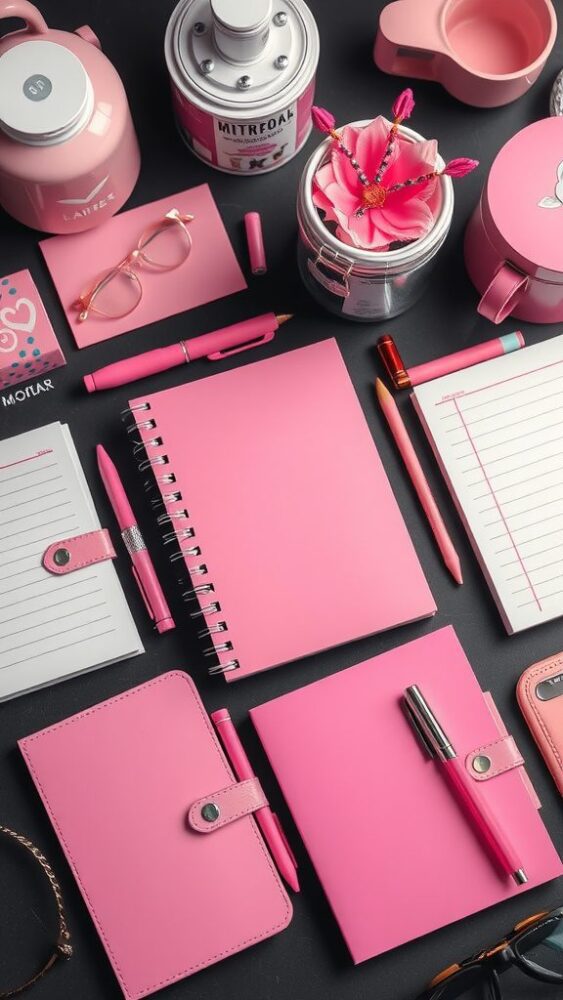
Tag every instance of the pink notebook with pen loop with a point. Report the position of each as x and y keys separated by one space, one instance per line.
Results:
x=396 y=855
x=288 y=526
x=158 y=833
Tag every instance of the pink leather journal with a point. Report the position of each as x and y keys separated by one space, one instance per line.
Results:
x=394 y=852
x=296 y=541
x=170 y=889
x=210 y=272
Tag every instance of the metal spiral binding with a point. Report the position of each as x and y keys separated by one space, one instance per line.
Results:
x=179 y=531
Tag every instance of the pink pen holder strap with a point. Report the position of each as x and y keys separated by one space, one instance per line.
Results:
x=213 y=811
x=502 y=294
x=70 y=554
x=493 y=758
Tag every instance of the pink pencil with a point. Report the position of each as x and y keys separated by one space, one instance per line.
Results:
x=418 y=479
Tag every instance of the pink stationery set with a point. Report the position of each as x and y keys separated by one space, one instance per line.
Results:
x=282 y=510
x=28 y=345
x=396 y=855
x=158 y=833
x=211 y=271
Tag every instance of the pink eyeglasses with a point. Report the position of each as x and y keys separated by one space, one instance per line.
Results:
x=118 y=291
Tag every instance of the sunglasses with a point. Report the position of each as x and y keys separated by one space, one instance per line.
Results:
x=116 y=292
x=534 y=947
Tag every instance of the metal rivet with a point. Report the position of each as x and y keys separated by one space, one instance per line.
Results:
x=280 y=19
x=207 y=66
x=199 y=28
x=481 y=763
x=210 y=812
x=281 y=62
x=244 y=82
x=61 y=557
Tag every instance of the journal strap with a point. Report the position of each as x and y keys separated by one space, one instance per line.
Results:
x=220 y=808
x=74 y=553
x=493 y=758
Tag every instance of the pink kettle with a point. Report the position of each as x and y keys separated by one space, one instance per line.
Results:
x=69 y=156
x=514 y=239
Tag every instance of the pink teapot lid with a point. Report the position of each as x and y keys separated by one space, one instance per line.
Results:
x=522 y=201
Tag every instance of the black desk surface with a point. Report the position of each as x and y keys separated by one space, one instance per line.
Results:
x=309 y=960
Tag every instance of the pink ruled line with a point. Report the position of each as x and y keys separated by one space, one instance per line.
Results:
x=493 y=494
x=494 y=385
x=20 y=461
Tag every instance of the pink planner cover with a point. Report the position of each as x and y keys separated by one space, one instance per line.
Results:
x=210 y=272
x=294 y=522
x=118 y=781
x=394 y=852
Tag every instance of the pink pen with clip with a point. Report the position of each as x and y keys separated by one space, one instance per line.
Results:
x=267 y=820
x=143 y=569
x=465 y=789
x=213 y=346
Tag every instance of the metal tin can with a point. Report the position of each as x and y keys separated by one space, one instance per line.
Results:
x=365 y=285
x=243 y=79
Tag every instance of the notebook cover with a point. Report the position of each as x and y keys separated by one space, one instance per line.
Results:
x=117 y=781
x=293 y=514
x=210 y=272
x=395 y=854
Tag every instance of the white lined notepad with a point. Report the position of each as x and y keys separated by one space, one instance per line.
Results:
x=497 y=431
x=52 y=627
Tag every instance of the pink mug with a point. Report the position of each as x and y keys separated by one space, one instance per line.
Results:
x=69 y=156
x=514 y=239
x=484 y=52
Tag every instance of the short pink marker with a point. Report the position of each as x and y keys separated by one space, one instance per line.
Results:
x=406 y=378
x=255 y=240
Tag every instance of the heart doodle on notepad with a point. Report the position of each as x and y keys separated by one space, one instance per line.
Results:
x=8 y=341
x=23 y=323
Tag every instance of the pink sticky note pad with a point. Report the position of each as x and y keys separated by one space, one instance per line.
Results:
x=28 y=345
x=210 y=272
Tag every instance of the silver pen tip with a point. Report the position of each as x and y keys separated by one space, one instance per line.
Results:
x=520 y=876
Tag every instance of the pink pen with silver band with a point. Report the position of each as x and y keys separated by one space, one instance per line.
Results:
x=266 y=819
x=143 y=569
x=214 y=346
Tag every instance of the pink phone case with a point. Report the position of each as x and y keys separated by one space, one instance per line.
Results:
x=540 y=696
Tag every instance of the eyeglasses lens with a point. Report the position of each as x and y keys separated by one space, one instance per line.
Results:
x=166 y=245
x=543 y=946
x=119 y=292
x=468 y=984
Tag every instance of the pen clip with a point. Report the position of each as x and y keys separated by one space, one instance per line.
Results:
x=425 y=743
x=143 y=593
x=229 y=351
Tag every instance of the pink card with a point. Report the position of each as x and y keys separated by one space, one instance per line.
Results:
x=210 y=272
x=28 y=345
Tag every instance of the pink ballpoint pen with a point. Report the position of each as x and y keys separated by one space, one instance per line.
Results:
x=418 y=479
x=142 y=566
x=213 y=346
x=466 y=790
x=267 y=820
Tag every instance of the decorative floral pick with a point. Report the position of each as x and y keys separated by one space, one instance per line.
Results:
x=390 y=212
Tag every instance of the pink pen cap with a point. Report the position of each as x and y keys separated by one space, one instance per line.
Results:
x=255 y=240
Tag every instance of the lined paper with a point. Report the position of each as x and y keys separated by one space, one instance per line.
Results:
x=497 y=430
x=52 y=626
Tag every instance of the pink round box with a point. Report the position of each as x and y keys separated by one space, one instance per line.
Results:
x=514 y=239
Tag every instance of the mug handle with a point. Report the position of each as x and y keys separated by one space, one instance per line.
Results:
x=407 y=42
x=502 y=294
x=34 y=22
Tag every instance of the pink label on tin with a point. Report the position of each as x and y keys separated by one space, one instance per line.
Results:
x=245 y=146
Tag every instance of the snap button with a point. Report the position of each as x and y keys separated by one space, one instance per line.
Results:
x=210 y=812
x=61 y=557
x=481 y=763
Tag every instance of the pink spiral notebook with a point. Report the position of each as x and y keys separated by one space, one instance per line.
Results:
x=394 y=852
x=281 y=505
x=169 y=895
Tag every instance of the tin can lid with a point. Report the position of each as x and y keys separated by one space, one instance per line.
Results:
x=523 y=200
x=243 y=55
x=45 y=93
